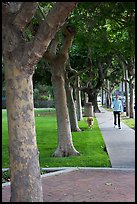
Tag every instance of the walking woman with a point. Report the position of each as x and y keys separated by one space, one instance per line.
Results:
x=117 y=109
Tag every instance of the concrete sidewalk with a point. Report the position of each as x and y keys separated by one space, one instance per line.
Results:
x=116 y=184
x=120 y=143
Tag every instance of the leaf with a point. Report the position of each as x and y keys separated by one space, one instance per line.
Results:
x=108 y=184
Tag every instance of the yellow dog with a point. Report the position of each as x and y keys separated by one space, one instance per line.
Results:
x=90 y=122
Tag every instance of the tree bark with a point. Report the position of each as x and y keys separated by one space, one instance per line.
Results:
x=93 y=98
x=126 y=93
x=20 y=59
x=70 y=100
x=24 y=158
x=65 y=145
x=72 y=108
x=131 y=115
x=102 y=96
x=85 y=98
x=78 y=99
x=58 y=65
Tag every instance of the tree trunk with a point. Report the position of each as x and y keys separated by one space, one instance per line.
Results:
x=108 y=100
x=85 y=98
x=108 y=95
x=88 y=110
x=72 y=108
x=93 y=99
x=131 y=99
x=65 y=145
x=58 y=65
x=78 y=100
x=126 y=92
x=96 y=108
x=24 y=162
x=102 y=95
x=105 y=94
x=26 y=183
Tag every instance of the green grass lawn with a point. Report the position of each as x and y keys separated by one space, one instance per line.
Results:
x=88 y=142
x=129 y=122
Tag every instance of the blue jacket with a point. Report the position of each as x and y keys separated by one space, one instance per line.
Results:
x=117 y=105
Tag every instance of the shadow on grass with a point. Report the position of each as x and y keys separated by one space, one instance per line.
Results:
x=85 y=129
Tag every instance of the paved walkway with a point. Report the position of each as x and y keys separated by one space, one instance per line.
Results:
x=116 y=184
x=86 y=185
x=120 y=144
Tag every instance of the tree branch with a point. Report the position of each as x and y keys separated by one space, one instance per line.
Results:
x=25 y=14
x=15 y=6
x=68 y=33
x=53 y=21
x=49 y=56
x=43 y=14
x=69 y=68
x=5 y=12
x=5 y=8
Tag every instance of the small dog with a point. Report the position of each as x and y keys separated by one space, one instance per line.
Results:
x=90 y=122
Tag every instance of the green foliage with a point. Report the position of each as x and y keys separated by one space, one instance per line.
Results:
x=28 y=34
x=43 y=92
x=44 y=97
x=42 y=73
x=5 y=176
x=88 y=142
x=78 y=57
x=107 y=29
x=39 y=16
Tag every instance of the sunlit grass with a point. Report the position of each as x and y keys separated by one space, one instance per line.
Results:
x=88 y=142
x=130 y=122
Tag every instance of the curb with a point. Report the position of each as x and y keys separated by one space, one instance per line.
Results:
x=62 y=170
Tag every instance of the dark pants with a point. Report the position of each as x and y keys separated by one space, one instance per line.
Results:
x=117 y=113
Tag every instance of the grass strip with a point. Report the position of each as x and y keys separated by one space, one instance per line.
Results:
x=89 y=142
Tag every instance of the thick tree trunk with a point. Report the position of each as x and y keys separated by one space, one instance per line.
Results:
x=96 y=108
x=26 y=183
x=58 y=64
x=72 y=108
x=65 y=145
x=88 y=110
x=24 y=162
x=93 y=99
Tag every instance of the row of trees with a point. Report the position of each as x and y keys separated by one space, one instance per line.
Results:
x=108 y=44
x=89 y=50
x=100 y=39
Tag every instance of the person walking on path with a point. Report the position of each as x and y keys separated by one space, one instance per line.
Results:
x=117 y=109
